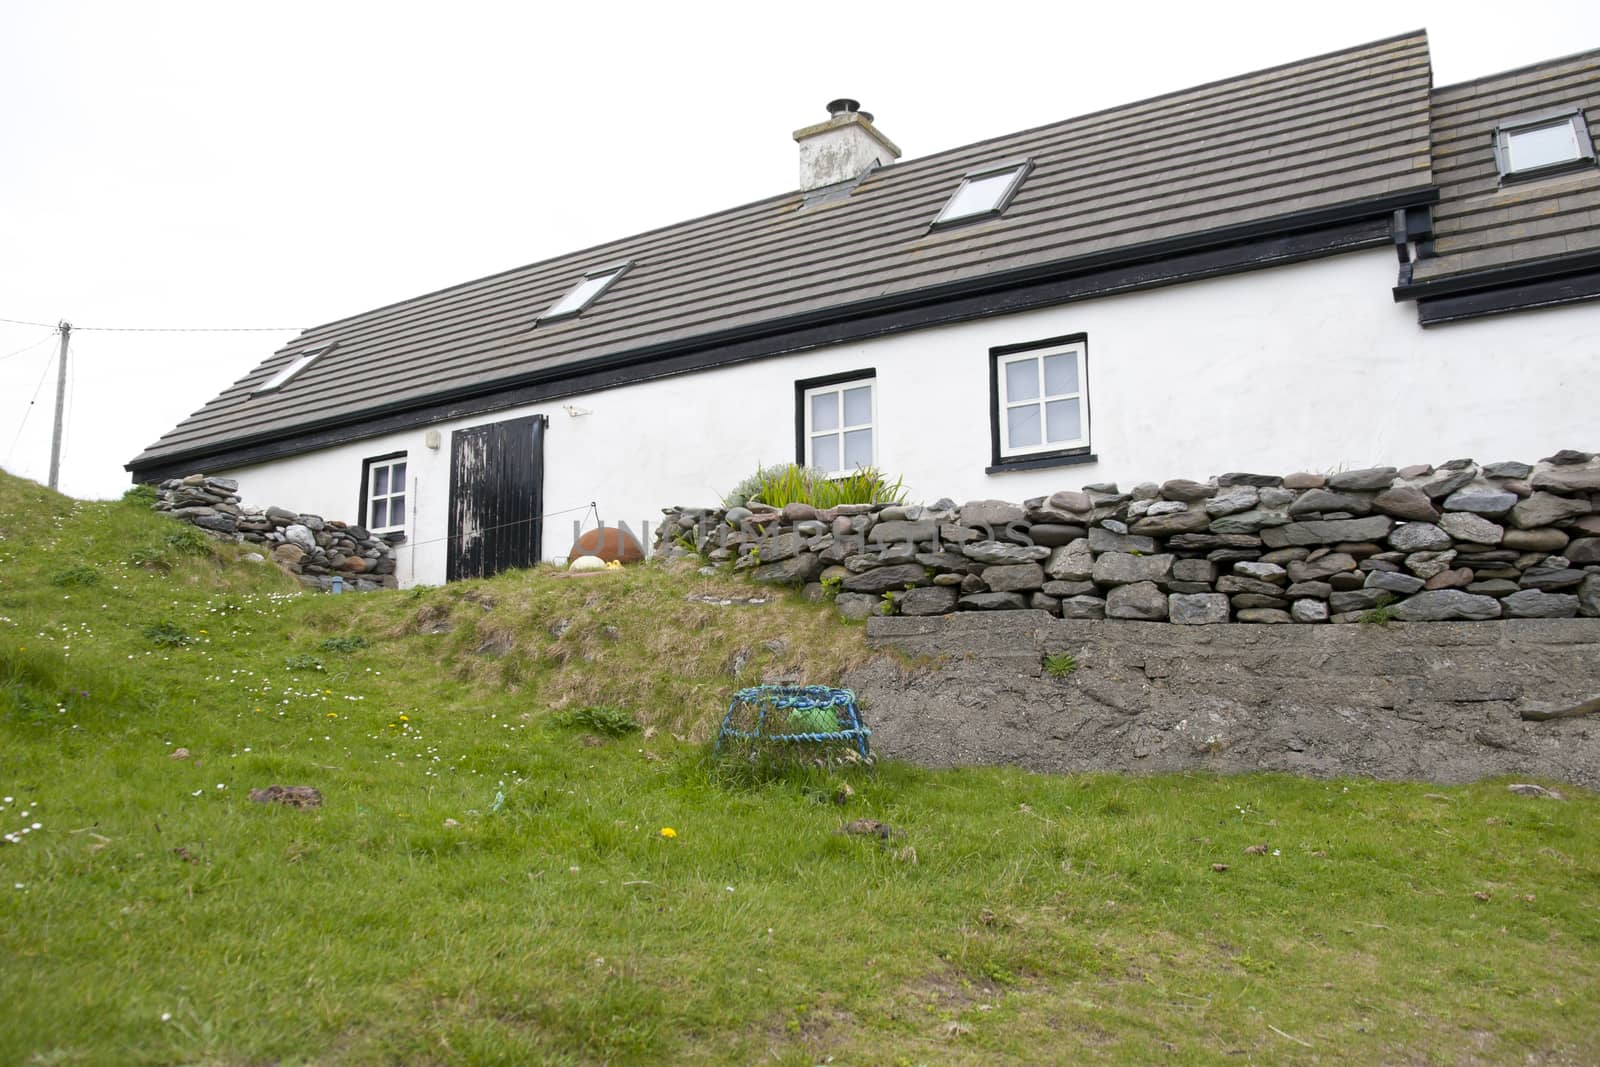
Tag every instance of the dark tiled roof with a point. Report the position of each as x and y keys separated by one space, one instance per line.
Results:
x=1479 y=225
x=1335 y=130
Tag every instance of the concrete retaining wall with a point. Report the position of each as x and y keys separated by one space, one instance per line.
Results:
x=1433 y=701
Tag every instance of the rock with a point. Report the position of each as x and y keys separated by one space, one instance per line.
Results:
x=1402 y=584
x=1327 y=531
x=1073 y=562
x=1545 y=540
x=1166 y=507
x=290 y=796
x=1194 y=570
x=1406 y=502
x=735 y=516
x=857 y=606
x=1308 y=611
x=1257 y=480
x=1198 y=609
x=944 y=562
x=1507 y=470
x=280 y=516
x=1315 y=590
x=901 y=531
x=1264 y=615
x=1535 y=604
x=1122 y=568
x=1446 y=482
x=1588 y=525
x=993 y=602
x=1466 y=526
x=1445 y=605
x=1263 y=572
x=290 y=554
x=1187 y=491
x=1141 y=601
x=1248 y=522
x=1004 y=552
x=1427 y=564
x=883 y=579
x=253 y=557
x=1041 y=602
x=1235 y=583
x=1549 y=576
x=1331 y=564
x=796 y=570
x=1583 y=551
x=1304 y=480
x=777 y=547
x=1233 y=500
x=1459 y=578
x=1369 y=478
x=1568 y=480
x=1528 y=789
x=1061 y=590
x=1546 y=509
x=1167 y=525
x=933 y=600
x=219 y=523
x=1589 y=596
x=1013 y=577
x=1481 y=501
x=796 y=511
x=1078 y=503
x=1359 y=600
x=1054 y=535
x=1103 y=540
x=990 y=514
x=1083 y=607
x=1418 y=537
x=1321 y=501
x=297 y=534
x=1495 y=587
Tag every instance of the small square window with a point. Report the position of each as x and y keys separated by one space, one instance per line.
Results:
x=1537 y=145
x=985 y=191
x=1041 y=399
x=292 y=368
x=586 y=292
x=838 y=425
x=384 y=493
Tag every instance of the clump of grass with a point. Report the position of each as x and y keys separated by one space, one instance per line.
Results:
x=79 y=574
x=794 y=484
x=344 y=643
x=1382 y=613
x=168 y=634
x=601 y=718
x=143 y=494
x=1060 y=664
x=302 y=661
x=187 y=540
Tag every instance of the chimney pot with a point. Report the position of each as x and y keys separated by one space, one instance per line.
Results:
x=842 y=148
x=844 y=103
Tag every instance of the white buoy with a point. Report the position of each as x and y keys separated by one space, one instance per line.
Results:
x=587 y=563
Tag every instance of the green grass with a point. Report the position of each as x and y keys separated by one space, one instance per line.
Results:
x=487 y=881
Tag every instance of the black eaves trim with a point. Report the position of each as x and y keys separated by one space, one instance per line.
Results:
x=1290 y=239
x=1550 y=292
x=1499 y=277
x=1036 y=463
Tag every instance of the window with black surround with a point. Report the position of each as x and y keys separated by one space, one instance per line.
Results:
x=384 y=494
x=1550 y=142
x=836 y=422
x=984 y=192
x=1039 y=404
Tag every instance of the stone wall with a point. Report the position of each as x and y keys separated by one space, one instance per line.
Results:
x=1461 y=541
x=1440 y=702
x=311 y=548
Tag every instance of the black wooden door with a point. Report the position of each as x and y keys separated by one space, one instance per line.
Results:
x=496 y=497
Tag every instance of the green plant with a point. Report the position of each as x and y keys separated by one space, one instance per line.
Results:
x=1382 y=613
x=344 y=643
x=831 y=586
x=167 y=634
x=794 y=484
x=740 y=495
x=75 y=575
x=601 y=718
x=143 y=493
x=301 y=661
x=891 y=602
x=1060 y=664
x=188 y=540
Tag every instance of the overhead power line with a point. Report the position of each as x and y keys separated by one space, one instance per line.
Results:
x=31 y=347
x=167 y=329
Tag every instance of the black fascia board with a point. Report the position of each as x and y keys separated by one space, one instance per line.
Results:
x=1497 y=277
x=1550 y=292
x=1227 y=250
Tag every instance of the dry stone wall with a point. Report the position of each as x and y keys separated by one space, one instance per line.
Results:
x=313 y=549
x=1462 y=541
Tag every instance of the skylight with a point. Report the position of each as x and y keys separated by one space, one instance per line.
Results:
x=1535 y=145
x=295 y=366
x=588 y=289
x=985 y=191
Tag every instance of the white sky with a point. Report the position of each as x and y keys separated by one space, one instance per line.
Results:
x=229 y=165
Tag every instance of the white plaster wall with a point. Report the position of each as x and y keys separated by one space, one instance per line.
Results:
x=1304 y=367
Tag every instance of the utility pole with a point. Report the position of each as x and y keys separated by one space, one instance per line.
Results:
x=61 y=398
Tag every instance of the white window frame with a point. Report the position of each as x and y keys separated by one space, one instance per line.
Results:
x=291 y=369
x=373 y=497
x=1004 y=403
x=607 y=277
x=839 y=387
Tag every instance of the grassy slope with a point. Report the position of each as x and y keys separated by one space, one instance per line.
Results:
x=1021 y=917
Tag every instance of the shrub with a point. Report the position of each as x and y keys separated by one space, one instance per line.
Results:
x=78 y=574
x=143 y=493
x=303 y=662
x=167 y=634
x=344 y=643
x=187 y=539
x=793 y=484
x=602 y=719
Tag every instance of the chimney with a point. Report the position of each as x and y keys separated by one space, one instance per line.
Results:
x=842 y=148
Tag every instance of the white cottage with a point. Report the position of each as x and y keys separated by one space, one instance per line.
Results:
x=1326 y=264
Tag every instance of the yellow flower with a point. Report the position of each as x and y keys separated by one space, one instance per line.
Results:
x=333 y=714
x=405 y=718
x=668 y=832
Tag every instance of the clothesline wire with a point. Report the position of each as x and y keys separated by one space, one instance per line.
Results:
x=590 y=507
x=29 y=348
x=165 y=329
